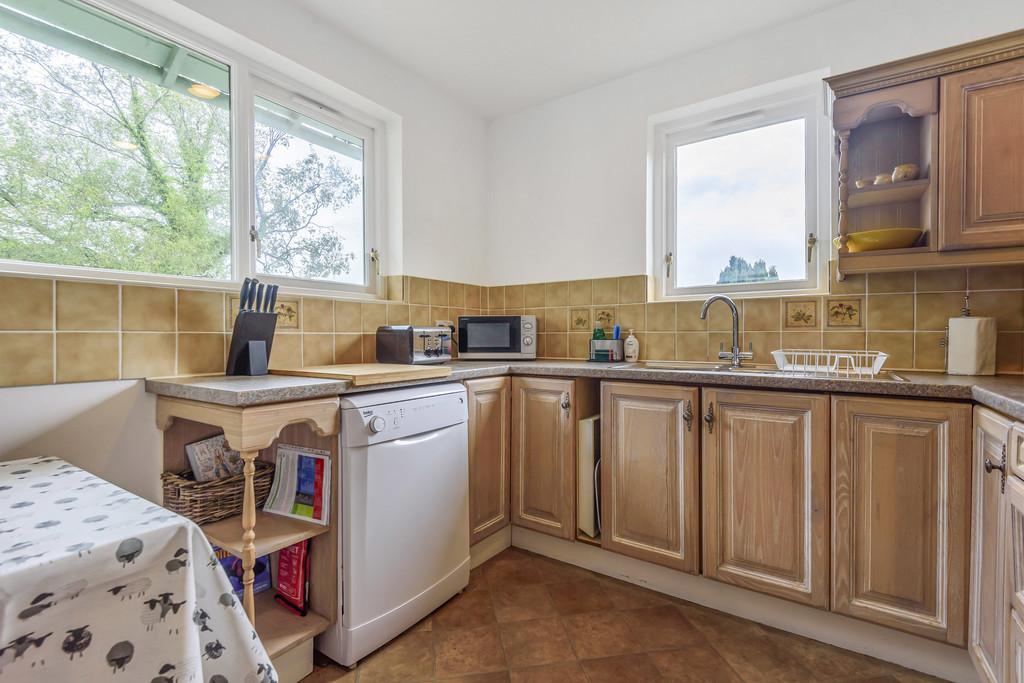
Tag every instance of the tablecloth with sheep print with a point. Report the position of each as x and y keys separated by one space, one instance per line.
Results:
x=98 y=584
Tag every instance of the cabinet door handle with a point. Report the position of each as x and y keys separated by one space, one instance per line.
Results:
x=565 y=401
x=688 y=416
x=989 y=466
x=709 y=417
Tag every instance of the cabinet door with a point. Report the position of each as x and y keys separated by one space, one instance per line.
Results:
x=543 y=455
x=649 y=473
x=900 y=517
x=988 y=614
x=981 y=143
x=765 y=481
x=1015 y=660
x=1015 y=450
x=490 y=412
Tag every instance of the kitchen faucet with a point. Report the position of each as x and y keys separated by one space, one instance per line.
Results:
x=735 y=357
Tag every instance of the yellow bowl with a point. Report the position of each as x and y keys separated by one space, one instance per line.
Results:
x=884 y=238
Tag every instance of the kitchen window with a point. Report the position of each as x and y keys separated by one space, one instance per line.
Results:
x=739 y=197
x=129 y=155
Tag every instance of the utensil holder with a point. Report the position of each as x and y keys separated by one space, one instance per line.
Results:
x=251 y=341
x=607 y=350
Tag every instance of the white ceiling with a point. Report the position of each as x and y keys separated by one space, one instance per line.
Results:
x=500 y=56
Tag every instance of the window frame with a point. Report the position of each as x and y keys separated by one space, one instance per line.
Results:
x=739 y=112
x=304 y=95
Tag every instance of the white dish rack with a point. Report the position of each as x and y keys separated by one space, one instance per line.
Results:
x=826 y=363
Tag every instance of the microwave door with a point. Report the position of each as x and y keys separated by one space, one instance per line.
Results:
x=495 y=334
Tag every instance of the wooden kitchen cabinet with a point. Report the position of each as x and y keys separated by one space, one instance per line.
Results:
x=900 y=514
x=986 y=636
x=981 y=143
x=765 y=477
x=544 y=414
x=649 y=473
x=490 y=413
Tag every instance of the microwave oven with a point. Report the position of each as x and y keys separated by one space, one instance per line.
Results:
x=497 y=337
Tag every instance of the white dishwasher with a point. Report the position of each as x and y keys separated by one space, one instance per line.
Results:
x=404 y=507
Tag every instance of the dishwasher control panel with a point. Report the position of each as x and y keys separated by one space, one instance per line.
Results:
x=388 y=421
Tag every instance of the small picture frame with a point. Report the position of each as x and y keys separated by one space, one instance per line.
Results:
x=802 y=314
x=844 y=312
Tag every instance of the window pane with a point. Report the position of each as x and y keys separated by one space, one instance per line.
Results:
x=740 y=210
x=114 y=145
x=309 y=197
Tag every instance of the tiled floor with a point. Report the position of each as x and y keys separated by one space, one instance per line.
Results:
x=529 y=619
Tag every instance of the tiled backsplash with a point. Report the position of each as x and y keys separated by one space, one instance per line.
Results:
x=66 y=331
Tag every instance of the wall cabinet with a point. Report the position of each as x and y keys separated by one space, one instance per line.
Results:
x=765 y=485
x=490 y=412
x=986 y=637
x=650 y=474
x=981 y=141
x=900 y=517
x=544 y=414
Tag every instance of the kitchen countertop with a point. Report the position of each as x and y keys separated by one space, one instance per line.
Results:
x=1003 y=393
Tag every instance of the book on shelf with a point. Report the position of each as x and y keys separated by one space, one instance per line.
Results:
x=232 y=566
x=293 y=565
x=302 y=484
x=211 y=459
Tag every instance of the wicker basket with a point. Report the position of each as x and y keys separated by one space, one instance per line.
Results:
x=209 y=501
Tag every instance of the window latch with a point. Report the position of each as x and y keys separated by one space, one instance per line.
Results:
x=668 y=265
x=254 y=237
x=811 y=241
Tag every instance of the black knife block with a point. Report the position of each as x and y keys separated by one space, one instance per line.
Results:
x=249 y=353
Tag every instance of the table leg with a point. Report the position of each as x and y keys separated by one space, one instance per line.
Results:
x=249 y=534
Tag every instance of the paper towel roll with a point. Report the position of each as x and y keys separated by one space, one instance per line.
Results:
x=972 y=346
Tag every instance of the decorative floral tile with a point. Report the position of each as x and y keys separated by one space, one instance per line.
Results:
x=844 y=312
x=579 y=319
x=604 y=317
x=802 y=313
x=287 y=313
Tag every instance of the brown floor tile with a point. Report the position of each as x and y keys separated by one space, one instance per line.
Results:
x=555 y=673
x=693 y=664
x=459 y=652
x=509 y=569
x=576 y=597
x=601 y=634
x=828 y=661
x=619 y=669
x=627 y=596
x=465 y=610
x=409 y=657
x=553 y=571
x=496 y=677
x=477 y=580
x=536 y=642
x=662 y=627
x=518 y=603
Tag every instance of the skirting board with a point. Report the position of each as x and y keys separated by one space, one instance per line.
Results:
x=913 y=652
x=489 y=547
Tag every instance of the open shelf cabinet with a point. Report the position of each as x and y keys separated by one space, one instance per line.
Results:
x=275 y=533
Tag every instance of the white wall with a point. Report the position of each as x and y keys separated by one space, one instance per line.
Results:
x=566 y=179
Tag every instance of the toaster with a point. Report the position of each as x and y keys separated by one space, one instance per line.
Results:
x=413 y=345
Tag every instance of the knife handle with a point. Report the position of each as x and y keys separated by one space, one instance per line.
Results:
x=244 y=293
x=259 y=297
x=272 y=299
x=252 y=295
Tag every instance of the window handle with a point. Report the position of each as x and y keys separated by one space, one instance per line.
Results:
x=668 y=265
x=254 y=236
x=811 y=241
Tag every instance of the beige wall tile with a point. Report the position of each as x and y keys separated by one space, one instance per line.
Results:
x=581 y=293
x=86 y=306
x=718 y=341
x=844 y=341
x=27 y=303
x=439 y=313
x=606 y=290
x=579 y=345
x=692 y=346
x=317 y=315
x=26 y=358
x=884 y=283
x=374 y=315
x=85 y=356
x=1010 y=352
x=688 y=317
x=661 y=317
x=899 y=346
x=398 y=314
x=533 y=295
x=631 y=317
x=997 y=277
x=556 y=294
x=851 y=284
x=928 y=352
x=396 y=288
x=660 y=346
x=495 y=298
x=200 y=311
x=810 y=339
x=890 y=311
x=556 y=319
x=369 y=348
x=419 y=315
x=348 y=348
x=419 y=290
x=579 y=320
x=515 y=296
x=317 y=349
x=632 y=289
x=764 y=343
x=456 y=294
x=348 y=316
x=1006 y=307
x=438 y=293
x=147 y=354
x=148 y=309
x=762 y=314
x=286 y=351
x=556 y=345
x=934 y=309
x=944 y=280
x=720 y=317
x=539 y=314
x=472 y=296
x=202 y=353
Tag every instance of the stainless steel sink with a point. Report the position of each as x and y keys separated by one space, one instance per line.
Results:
x=692 y=366
x=883 y=376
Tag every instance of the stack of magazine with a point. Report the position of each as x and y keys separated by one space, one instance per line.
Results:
x=302 y=484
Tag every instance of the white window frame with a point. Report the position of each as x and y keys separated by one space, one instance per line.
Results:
x=246 y=75
x=802 y=97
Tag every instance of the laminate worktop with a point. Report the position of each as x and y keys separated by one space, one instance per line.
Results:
x=1003 y=393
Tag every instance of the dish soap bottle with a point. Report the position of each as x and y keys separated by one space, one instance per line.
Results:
x=631 y=348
